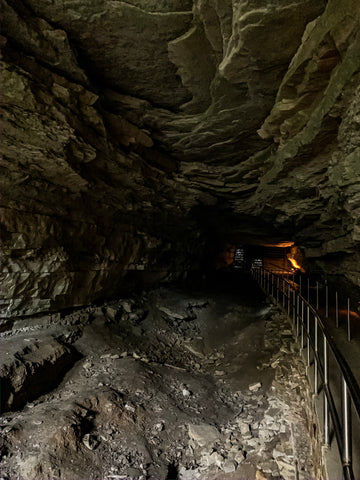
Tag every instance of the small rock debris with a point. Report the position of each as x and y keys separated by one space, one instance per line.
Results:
x=131 y=408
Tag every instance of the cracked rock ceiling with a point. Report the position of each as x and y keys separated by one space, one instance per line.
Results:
x=133 y=130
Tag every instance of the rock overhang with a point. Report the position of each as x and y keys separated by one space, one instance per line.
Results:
x=115 y=157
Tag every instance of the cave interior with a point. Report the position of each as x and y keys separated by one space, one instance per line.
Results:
x=153 y=146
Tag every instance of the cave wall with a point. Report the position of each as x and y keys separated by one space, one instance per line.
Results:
x=131 y=130
x=80 y=210
x=310 y=183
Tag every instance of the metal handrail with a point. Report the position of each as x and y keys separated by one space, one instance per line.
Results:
x=291 y=301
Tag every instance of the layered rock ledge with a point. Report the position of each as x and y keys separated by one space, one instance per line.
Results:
x=132 y=131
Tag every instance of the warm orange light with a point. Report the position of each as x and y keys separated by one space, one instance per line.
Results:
x=294 y=263
x=352 y=313
x=283 y=244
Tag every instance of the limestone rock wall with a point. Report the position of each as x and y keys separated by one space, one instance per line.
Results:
x=133 y=130
x=78 y=211
x=310 y=182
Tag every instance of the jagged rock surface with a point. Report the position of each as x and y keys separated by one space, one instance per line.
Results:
x=132 y=129
x=33 y=370
x=158 y=396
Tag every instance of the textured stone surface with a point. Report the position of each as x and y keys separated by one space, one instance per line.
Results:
x=126 y=417
x=30 y=368
x=78 y=211
x=133 y=129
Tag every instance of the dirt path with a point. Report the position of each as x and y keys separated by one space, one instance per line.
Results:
x=169 y=385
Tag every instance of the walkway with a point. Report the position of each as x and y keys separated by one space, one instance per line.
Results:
x=332 y=365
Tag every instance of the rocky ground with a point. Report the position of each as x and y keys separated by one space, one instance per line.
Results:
x=166 y=385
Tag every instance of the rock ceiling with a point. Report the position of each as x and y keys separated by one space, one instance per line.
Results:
x=133 y=129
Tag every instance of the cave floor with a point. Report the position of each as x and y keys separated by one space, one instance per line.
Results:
x=171 y=384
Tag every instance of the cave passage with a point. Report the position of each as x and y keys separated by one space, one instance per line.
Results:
x=153 y=153
x=199 y=383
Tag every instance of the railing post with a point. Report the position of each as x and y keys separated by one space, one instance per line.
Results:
x=348 y=321
x=283 y=292
x=336 y=310
x=317 y=295
x=316 y=387
x=308 y=339
x=266 y=282
x=297 y=316
x=302 y=324
x=294 y=306
x=289 y=297
x=326 y=404
x=326 y=299
x=277 y=289
x=272 y=285
x=347 y=453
